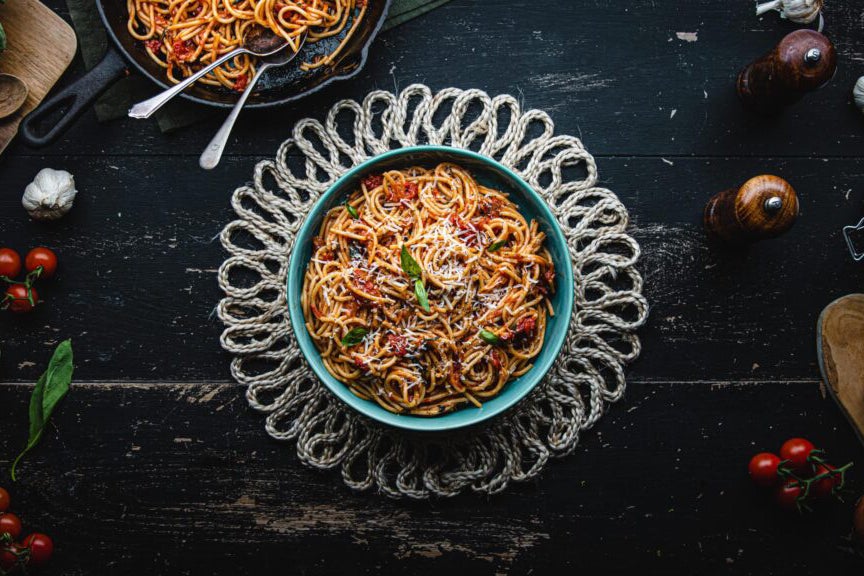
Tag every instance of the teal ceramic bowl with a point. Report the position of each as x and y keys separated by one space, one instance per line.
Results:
x=491 y=174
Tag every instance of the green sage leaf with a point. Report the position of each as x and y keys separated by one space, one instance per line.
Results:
x=422 y=297
x=495 y=246
x=352 y=211
x=50 y=389
x=409 y=265
x=489 y=337
x=354 y=336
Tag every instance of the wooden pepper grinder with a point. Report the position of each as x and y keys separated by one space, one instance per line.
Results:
x=802 y=62
x=763 y=207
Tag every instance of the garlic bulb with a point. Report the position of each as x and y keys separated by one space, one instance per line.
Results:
x=858 y=93
x=798 y=11
x=50 y=195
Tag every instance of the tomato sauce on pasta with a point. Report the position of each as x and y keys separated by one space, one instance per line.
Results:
x=427 y=291
x=183 y=36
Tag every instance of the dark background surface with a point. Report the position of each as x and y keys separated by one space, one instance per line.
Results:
x=155 y=464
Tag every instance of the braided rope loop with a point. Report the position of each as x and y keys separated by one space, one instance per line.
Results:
x=588 y=374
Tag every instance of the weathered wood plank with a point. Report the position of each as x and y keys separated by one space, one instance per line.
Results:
x=138 y=285
x=632 y=78
x=181 y=479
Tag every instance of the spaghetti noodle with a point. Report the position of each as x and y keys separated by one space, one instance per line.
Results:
x=183 y=36
x=427 y=291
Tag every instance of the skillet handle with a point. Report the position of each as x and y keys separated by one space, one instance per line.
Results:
x=77 y=96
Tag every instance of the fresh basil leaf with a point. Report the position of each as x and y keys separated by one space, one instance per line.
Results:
x=495 y=246
x=2 y=39
x=489 y=337
x=409 y=265
x=422 y=297
x=50 y=389
x=351 y=210
x=354 y=336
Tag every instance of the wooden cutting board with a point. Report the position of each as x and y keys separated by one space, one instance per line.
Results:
x=840 y=340
x=39 y=48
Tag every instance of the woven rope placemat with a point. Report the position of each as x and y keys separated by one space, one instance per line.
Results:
x=589 y=371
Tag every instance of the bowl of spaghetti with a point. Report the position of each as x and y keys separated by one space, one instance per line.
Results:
x=430 y=288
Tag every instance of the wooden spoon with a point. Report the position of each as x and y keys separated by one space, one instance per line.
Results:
x=840 y=343
x=13 y=93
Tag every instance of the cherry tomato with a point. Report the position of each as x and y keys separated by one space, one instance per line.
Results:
x=10 y=263
x=763 y=469
x=858 y=521
x=44 y=257
x=41 y=548
x=10 y=557
x=796 y=451
x=10 y=524
x=826 y=485
x=18 y=300
x=5 y=500
x=787 y=495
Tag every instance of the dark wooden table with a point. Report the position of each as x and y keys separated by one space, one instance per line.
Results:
x=156 y=465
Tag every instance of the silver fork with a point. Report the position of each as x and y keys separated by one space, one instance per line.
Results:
x=258 y=42
x=213 y=153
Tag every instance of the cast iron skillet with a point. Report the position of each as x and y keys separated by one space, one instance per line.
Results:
x=277 y=86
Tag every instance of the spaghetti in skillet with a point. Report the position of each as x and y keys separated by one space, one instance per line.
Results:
x=183 y=36
x=427 y=291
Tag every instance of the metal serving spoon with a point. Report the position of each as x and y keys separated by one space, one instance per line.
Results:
x=213 y=153
x=258 y=41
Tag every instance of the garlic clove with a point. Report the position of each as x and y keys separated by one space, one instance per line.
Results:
x=858 y=93
x=798 y=11
x=51 y=194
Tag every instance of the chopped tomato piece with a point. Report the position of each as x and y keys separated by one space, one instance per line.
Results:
x=456 y=376
x=398 y=192
x=525 y=327
x=373 y=181
x=241 y=83
x=490 y=206
x=549 y=275
x=398 y=344
x=495 y=359
x=326 y=255
x=360 y=363
x=410 y=190
x=365 y=283
x=154 y=45
x=182 y=49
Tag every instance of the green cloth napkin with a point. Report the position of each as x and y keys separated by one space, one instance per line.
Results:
x=115 y=103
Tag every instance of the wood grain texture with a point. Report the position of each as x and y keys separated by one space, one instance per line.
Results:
x=155 y=464
x=137 y=285
x=618 y=96
x=40 y=48
x=841 y=327
x=173 y=478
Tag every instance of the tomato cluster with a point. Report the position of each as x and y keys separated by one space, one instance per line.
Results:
x=16 y=557
x=799 y=474
x=21 y=296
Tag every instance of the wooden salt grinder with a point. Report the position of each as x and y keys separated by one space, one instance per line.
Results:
x=802 y=62
x=763 y=207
